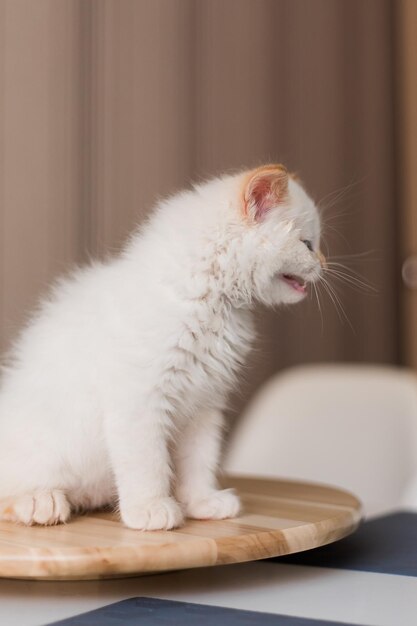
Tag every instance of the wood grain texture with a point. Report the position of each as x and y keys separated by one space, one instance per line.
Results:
x=278 y=518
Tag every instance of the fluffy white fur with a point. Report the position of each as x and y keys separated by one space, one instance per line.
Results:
x=115 y=389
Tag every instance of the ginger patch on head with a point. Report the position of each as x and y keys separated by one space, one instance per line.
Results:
x=264 y=188
x=295 y=176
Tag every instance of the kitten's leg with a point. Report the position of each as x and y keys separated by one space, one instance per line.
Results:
x=46 y=507
x=138 y=447
x=197 y=459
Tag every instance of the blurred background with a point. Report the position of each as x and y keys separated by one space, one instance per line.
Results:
x=107 y=105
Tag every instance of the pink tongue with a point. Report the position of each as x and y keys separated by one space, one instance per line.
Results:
x=296 y=285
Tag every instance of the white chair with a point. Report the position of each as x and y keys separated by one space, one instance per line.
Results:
x=352 y=426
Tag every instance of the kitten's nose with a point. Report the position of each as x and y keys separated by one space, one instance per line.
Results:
x=322 y=259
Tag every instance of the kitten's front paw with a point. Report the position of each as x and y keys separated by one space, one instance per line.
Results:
x=42 y=507
x=218 y=505
x=156 y=514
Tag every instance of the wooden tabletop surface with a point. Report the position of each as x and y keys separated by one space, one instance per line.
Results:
x=278 y=518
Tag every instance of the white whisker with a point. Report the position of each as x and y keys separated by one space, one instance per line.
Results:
x=352 y=279
x=335 y=298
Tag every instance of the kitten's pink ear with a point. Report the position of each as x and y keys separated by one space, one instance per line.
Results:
x=264 y=188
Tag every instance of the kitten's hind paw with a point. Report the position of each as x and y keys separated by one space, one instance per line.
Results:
x=218 y=505
x=155 y=514
x=41 y=507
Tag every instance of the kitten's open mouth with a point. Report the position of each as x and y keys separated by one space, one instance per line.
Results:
x=295 y=282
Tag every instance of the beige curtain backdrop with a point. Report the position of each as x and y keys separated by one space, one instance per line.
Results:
x=406 y=66
x=105 y=105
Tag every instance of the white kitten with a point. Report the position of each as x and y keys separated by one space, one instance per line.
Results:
x=116 y=388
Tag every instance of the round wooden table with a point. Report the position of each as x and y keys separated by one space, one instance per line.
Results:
x=279 y=517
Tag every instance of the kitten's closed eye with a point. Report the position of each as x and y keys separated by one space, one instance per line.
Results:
x=308 y=243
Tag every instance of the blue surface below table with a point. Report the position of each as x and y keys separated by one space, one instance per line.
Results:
x=387 y=545
x=156 y=612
